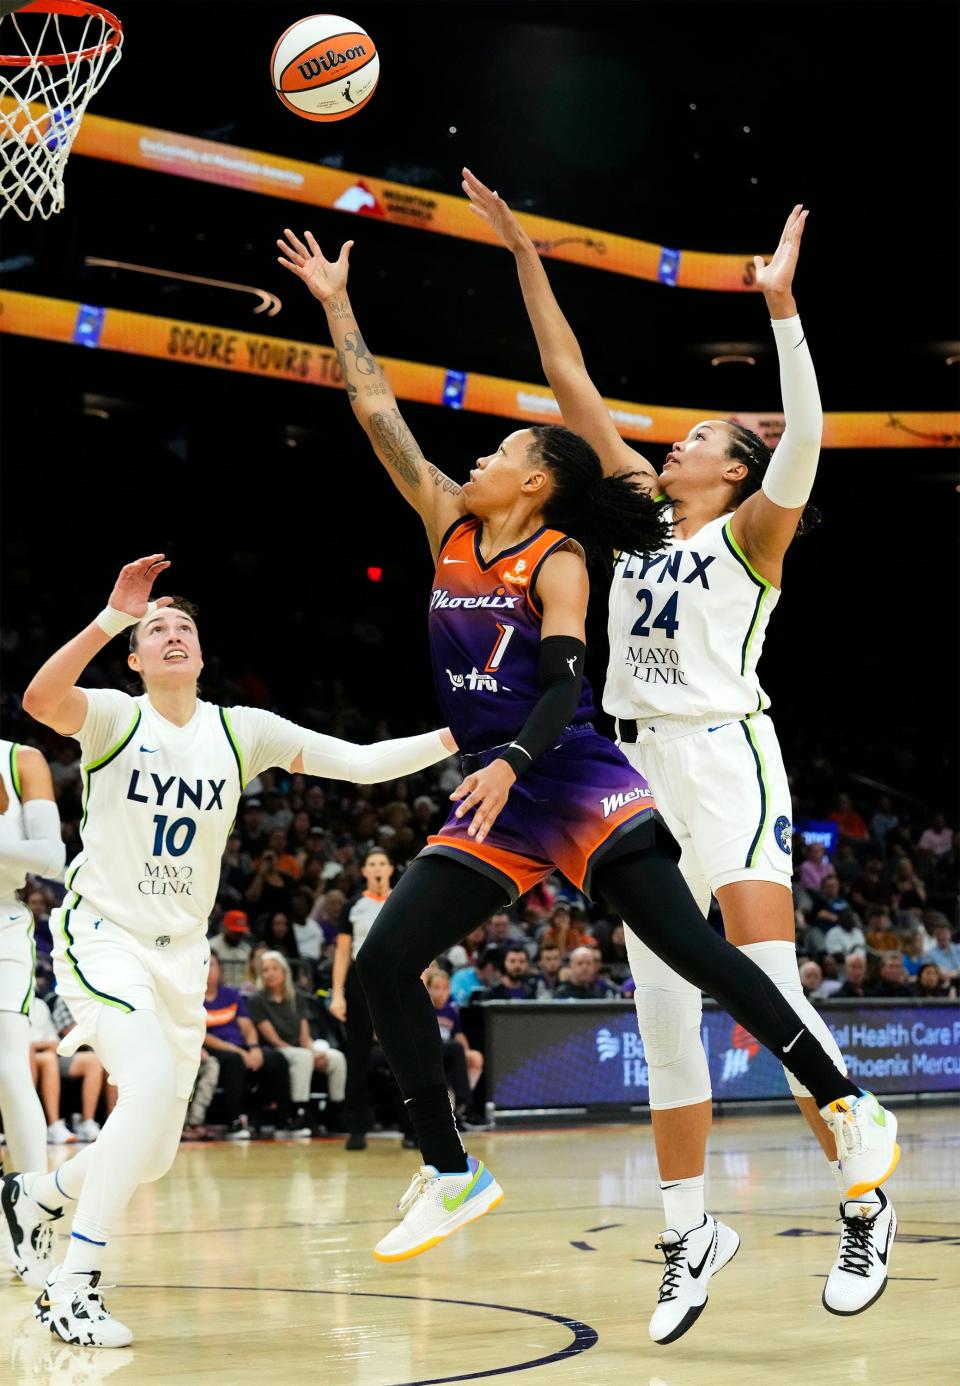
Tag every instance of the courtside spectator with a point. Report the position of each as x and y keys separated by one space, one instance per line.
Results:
x=884 y=820
x=846 y=936
x=871 y=887
x=811 y=979
x=937 y=839
x=851 y=825
x=269 y=891
x=233 y=947
x=945 y=953
x=585 y=984
x=855 y=976
x=462 y=1065
x=278 y=935
x=245 y=1067
x=516 y=983
x=280 y=1015
x=815 y=867
x=930 y=982
x=893 y=979
x=482 y=975
x=827 y=904
x=881 y=936
x=547 y=976
x=566 y=934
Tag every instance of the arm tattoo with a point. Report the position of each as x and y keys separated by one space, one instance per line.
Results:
x=348 y=384
x=339 y=307
x=396 y=443
x=365 y=362
x=449 y=488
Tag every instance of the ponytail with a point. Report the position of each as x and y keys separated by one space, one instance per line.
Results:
x=749 y=448
x=605 y=513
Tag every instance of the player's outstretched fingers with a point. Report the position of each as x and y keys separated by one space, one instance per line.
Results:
x=296 y=244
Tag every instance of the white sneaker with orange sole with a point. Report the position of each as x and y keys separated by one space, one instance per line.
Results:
x=435 y=1205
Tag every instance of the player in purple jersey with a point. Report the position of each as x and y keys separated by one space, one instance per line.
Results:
x=541 y=788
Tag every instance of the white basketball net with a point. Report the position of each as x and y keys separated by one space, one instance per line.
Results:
x=70 y=47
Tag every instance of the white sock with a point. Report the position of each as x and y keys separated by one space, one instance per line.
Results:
x=87 y=1248
x=61 y=1185
x=683 y=1203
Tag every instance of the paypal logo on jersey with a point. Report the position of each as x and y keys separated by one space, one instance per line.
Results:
x=672 y=564
x=157 y=789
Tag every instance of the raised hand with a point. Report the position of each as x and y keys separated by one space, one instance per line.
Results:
x=777 y=277
x=490 y=207
x=131 y=591
x=323 y=278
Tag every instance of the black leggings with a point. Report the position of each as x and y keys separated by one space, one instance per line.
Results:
x=439 y=900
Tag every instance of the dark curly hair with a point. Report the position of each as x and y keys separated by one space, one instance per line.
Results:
x=749 y=448
x=605 y=513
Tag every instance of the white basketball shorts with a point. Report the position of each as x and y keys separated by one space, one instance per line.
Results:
x=99 y=963
x=722 y=791
x=17 y=957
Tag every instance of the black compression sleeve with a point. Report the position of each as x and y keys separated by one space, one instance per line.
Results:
x=561 y=675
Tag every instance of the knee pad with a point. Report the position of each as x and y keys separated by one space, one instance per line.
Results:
x=778 y=959
x=669 y=1022
x=165 y=1148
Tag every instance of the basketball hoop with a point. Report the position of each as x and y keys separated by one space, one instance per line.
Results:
x=63 y=51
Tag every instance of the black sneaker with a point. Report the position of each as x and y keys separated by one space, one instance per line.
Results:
x=355 y=1141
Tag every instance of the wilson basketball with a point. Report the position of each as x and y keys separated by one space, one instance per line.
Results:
x=325 y=67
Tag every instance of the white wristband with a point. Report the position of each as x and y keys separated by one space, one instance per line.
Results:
x=112 y=622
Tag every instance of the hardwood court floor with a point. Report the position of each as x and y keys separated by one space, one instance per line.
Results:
x=253 y=1265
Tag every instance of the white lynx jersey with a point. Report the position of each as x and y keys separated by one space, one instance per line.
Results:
x=158 y=805
x=686 y=629
x=12 y=878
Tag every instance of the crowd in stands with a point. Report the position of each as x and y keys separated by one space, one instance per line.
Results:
x=876 y=916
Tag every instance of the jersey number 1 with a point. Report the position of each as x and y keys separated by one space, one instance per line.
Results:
x=499 y=648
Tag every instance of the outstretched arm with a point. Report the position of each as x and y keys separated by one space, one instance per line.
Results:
x=52 y=696
x=436 y=499
x=581 y=403
x=766 y=522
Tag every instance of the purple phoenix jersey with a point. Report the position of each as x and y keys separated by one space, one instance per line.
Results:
x=485 y=636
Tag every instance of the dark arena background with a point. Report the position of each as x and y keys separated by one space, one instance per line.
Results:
x=168 y=387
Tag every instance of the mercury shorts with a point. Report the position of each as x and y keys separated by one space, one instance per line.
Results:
x=572 y=809
x=723 y=793
x=99 y=963
x=17 y=957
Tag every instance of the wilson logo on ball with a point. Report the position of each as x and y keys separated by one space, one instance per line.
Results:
x=325 y=67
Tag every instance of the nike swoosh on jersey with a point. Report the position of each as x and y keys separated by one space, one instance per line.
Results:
x=711 y=1247
x=454 y=560
x=150 y=750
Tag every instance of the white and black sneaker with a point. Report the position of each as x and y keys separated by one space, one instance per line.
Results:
x=72 y=1307
x=30 y=1225
x=859 y=1274
x=690 y=1259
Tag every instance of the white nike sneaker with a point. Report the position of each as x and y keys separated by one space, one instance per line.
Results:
x=30 y=1225
x=88 y=1130
x=72 y=1307
x=866 y=1136
x=859 y=1275
x=690 y=1259
x=437 y=1204
x=60 y=1134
